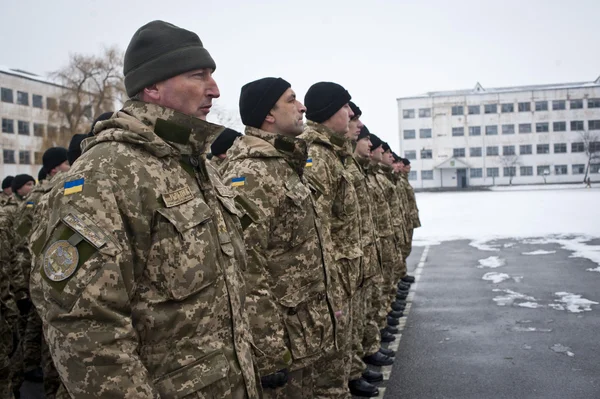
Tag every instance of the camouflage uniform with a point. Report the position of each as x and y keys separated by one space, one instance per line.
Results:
x=137 y=274
x=4 y=198
x=8 y=323
x=337 y=208
x=285 y=278
x=414 y=221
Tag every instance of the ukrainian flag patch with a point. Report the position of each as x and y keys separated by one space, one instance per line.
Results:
x=309 y=162
x=29 y=204
x=238 y=181
x=74 y=186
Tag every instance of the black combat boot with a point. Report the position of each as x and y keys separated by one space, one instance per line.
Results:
x=392 y=321
x=387 y=337
x=387 y=352
x=372 y=376
x=391 y=330
x=378 y=359
x=398 y=306
x=408 y=279
x=360 y=387
x=396 y=314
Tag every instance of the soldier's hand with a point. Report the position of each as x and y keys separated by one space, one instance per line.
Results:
x=275 y=380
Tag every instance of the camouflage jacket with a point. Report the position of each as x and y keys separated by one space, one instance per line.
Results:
x=386 y=179
x=137 y=273
x=4 y=198
x=8 y=254
x=8 y=323
x=336 y=204
x=405 y=206
x=413 y=209
x=381 y=209
x=285 y=279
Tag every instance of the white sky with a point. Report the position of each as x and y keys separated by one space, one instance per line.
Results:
x=379 y=50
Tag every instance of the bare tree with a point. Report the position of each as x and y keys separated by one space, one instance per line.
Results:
x=92 y=84
x=511 y=162
x=591 y=148
x=221 y=115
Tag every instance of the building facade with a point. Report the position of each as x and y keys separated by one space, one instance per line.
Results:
x=518 y=135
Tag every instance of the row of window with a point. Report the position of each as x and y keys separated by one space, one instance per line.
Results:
x=37 y=101
x=24 y=128
x=24 y=157
x=523 y=128
x=557 y=105
x=525 y=149
x=511 y=171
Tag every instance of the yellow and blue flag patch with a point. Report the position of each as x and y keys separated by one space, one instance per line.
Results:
x=238 y=181
x=309 y=162
x=29 y=204
x=74 y=186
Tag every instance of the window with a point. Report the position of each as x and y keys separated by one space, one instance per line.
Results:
x=492 y=172
x=577 y=147
x=9 y=156
x=6 y=95
x=576 y=104
x=424 y=112
x=412 y=175
x=595 y=168
x=558 y=105
x=52 y=130
x=508 y=150
x=578 y=169
x=475 y=151
x=543 y=170
x=23 y=128
x=476 y=173
x=526 y=170
x=595 y=147
x=458 y=110
x=542 y=127
x=22 y=98
x=560 y=169
x=525 y=107
x=560 y=148
x=559 y=126
x=409 y=134
x=51 y=104
x=524 y=127
x=576 y=126
x=594 y=125
x=458 y=131
x=37 y=101
x=542 y=149
x=8 y=126
x=458 y=153
x=491 y=151
x=491 y=130
x=490 y=108
x=592 y=102
x=425 y=133
x=474 y=130
x=25 y=157
x=541 y=105
x=507 y=108
x=37 y=158
x=410 y=154
x=508 y=129
x=426 y=154
x=427 y=175
x=525 y=149
x=38 y=129
x=474 y=109
x=408 y=113
x=509 y=171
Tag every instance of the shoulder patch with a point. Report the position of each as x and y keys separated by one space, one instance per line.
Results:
x=60 y=260
x=309 y=162
x=30 y=204
x=178 y=197
x=238 y=181
x=73 y=186
x=86 y=228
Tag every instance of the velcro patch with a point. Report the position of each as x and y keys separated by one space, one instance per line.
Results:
x=178 y=197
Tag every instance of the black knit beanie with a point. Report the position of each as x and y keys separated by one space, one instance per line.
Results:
x=323 y=100
x=397 y=158
x=53 y=157
x=375 y=142
x=355 y=110
x=386 y=147
x=364 y=132
x=224 y=141
x=258 y=98
x=74 y=151
x=7 y=182
x=19 y=181
x=42 y=174
x=405 y=161
x=160 y=50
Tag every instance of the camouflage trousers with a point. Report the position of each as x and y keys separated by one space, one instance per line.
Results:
x=391 y=264
x=371 y=341
x=32 y=341
x=299 y=386
x=407 y=249
x=401 y=245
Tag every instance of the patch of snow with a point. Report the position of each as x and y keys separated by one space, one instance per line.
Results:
x=491 y=262
x=425 y=243
x=482 y=245
x=495 y=278
x=509 y=245
x=556 y=306
x=531 y=305
x=531 y=329
x=575 y=303
x=559 y=348
x=539 y=252
x=510 y=297
x=517 y=279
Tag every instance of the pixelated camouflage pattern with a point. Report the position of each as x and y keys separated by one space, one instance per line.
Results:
x=286 y=277
x=4 y=198
x=414 y=210
x=157 y=311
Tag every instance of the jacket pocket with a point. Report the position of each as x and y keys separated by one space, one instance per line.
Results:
x=196 y=377
x=295 y=221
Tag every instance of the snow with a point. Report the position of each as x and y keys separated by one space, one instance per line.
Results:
x=510 y=297
x=530 y=305
x=539 y=252
x=495 y=278
x=491 y=262
x=574 y=303
x=537 y=187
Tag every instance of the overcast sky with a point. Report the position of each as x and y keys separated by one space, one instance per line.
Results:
x=378 y=50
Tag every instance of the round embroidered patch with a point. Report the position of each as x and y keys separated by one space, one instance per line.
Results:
x=60 y=260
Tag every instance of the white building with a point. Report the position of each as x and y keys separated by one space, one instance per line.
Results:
x=27 y=102
x=482 y=136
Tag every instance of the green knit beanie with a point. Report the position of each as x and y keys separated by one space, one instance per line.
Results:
x=159 y=51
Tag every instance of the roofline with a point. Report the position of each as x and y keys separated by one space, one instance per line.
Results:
x=18 y=75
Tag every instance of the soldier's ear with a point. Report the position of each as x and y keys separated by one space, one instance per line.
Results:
x=270 y=118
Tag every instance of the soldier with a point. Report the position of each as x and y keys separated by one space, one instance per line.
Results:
x=286 y=277
x=21 y=186
x=219 y=147
x=6 y=190
x=137 y=274
x=414 y=221
x=8 y=330
x=328 y=114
